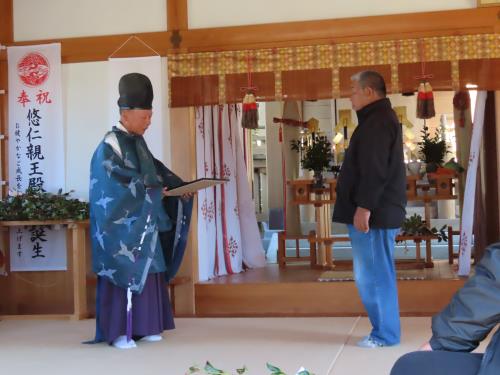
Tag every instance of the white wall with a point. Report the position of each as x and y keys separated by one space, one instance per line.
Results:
x=218 y=13
x=86 y=119
x=36 y=20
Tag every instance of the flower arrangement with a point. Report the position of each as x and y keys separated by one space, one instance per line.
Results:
x=209 y=369
x=36 y=204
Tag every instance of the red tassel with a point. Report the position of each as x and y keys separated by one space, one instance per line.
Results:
x=421 y=101
x=461 y=102
x=425 y=101
x=429 y=100
x=250 y=117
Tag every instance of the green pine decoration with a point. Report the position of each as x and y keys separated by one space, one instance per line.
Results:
x=415 y=226
x=432 y=149
x=316 y=154
x=36 y=204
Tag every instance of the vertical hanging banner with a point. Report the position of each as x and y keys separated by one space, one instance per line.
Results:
x=470 y=187
x=157 y=135
x=36 y=149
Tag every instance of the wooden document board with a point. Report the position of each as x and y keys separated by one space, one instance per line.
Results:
x=194 y=186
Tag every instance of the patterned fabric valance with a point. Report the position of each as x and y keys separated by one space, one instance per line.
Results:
x=199 y=70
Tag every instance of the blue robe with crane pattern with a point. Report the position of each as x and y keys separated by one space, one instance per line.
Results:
x=135 y=231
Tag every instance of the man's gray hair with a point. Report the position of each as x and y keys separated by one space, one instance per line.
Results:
x=372 y=79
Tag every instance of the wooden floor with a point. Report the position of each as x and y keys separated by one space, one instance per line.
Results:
x=296 y=291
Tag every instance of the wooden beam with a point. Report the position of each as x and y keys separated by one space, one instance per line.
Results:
x=177 y=15
x=414 y=25
x=399 y=26
x=6 y=21
x=99 y=48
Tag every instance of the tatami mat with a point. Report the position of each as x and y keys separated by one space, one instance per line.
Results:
x=325 y=346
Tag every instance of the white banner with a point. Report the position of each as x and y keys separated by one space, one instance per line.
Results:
x=470 y=187
x=158 y=132
x=36 y=148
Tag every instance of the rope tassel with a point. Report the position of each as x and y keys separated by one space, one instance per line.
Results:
x=425 y=101
x=250 y=117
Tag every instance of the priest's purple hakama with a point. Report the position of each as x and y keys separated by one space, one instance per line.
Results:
x=151 y=309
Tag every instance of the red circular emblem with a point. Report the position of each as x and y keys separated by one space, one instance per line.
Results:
x=33 y=69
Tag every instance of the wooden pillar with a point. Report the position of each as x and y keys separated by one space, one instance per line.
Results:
x=183 y=135
x=291 y=160
x=497 y=123
x=4 y=125
x=6 y=21
x=6 y=37
x=177 y=15
x=490 y=172
x=78 y=236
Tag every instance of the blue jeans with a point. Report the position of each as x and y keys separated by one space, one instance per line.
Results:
x=375 y=276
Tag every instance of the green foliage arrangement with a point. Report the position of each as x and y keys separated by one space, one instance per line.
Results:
x=209 y=369
x=415 y=226
x=432 y=149
x=35 y=204
x=316 y=155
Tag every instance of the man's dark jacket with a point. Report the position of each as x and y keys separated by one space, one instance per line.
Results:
x=373 y=172
x=473 y=313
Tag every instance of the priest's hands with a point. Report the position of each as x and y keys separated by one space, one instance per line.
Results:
x=361 y=219
x=186 y=196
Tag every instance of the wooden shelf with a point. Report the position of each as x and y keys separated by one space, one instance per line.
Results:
x=12 y=223
x=60 y=292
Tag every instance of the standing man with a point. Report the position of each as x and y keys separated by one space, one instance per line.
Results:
x=138 y=235
x=371 y=200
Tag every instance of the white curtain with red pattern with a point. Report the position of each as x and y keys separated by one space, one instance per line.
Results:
x=228 y=236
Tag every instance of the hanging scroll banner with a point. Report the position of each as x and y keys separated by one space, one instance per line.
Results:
x=36 y=149
x=470 y=187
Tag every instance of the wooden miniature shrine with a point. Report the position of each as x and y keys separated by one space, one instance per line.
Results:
x=321 y=242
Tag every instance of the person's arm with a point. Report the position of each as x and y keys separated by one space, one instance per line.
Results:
x=473 y=311
x=170 y=179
